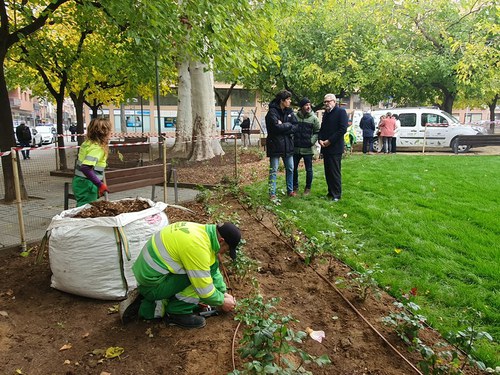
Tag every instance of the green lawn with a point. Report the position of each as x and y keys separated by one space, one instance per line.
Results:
x=431 y=222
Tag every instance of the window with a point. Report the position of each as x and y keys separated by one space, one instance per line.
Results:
x=169 y=99
x=431 y=119
x=473 y=117
x=408 y=119
x=242 y=98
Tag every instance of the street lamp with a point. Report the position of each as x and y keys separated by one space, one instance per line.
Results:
x=158 y=104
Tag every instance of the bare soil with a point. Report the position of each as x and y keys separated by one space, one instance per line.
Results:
x=46 y=331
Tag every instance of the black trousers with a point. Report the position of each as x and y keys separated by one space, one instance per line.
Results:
x=367 y=144
x=333 y=176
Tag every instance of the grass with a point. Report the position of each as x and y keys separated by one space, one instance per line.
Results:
x=430 y=222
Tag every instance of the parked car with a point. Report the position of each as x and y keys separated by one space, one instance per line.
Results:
x=36 y=138
x=437 y=128
x=48 y=133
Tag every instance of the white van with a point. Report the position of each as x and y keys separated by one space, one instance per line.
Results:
x=419 y=126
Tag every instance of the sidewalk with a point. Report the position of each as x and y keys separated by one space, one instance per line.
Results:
x=39 y=210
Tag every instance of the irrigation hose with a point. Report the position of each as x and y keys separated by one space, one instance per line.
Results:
x=339 y=293
x=234 y=344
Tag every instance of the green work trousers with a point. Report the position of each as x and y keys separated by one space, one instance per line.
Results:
x=164 y=297
x=85 y=191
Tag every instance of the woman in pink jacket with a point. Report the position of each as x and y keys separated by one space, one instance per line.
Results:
x=387 y=128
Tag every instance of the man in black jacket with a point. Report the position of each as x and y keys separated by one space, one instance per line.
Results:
x=367 y=124
x=23 y=134
x=280 y=124
x=331 y=139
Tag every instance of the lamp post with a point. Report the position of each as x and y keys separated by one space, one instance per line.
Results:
x=158 y=104
x=142 y=119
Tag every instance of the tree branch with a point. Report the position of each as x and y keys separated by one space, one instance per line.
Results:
x=37 y=23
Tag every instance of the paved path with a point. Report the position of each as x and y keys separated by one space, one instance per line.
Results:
x=46 y=199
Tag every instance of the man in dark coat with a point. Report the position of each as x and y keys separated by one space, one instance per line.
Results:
x=23 y=134
x=245 y=131
x=280 y=124
x=367 y=124
x=331 y=139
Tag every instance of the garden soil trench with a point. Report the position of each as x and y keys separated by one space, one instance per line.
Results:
x=38 y=320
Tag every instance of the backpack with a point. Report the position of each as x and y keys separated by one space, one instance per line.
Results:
x=26 y=132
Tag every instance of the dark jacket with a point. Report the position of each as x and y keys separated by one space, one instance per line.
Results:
x=280 y=136
x=245 y=126
x=23 y=134
x=306 y=134
x=333 y=127
x=367 y=124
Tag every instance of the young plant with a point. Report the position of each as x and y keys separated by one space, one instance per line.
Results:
x=406 y=324
x=268 y=341
x=363 y=283
x=286 y=224
x=243 y=265
x=467 y=338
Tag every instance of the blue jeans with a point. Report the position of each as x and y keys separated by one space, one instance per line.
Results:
x=308 y=164
x=273 y=169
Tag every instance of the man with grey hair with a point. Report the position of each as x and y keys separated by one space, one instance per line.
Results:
x=331 y=139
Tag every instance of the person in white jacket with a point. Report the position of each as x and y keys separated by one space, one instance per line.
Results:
x=396 y=134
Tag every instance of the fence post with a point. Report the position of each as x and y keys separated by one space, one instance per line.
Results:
x=165 y=169
x=17 y=187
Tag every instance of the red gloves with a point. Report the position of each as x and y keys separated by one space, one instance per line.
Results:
x=103 y=188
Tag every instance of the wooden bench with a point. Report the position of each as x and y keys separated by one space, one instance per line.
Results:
x=132 y=178
x=479 y=140
x=126 y=154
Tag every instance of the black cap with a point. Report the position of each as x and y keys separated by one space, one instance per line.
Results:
x=231 y=235
x=303 y=102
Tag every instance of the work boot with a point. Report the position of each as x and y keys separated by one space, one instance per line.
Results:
x=307 y=191
x=129 y=308
x=185 y=320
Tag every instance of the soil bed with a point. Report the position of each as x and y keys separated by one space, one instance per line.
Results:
x=46 y=331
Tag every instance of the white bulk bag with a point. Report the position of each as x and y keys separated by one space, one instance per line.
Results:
x=89 y=257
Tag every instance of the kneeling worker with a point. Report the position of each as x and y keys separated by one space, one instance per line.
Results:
x=178 y=268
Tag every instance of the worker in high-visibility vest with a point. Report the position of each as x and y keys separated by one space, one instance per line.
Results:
x=177 y=269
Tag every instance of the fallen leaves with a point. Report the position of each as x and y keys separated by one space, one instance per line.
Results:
x=65 y=347
x=114 y=351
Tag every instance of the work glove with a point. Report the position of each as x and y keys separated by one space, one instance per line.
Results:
x=102 y=189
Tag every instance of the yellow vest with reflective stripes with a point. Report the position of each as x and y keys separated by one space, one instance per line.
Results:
x=91 y=154
x=183 y=248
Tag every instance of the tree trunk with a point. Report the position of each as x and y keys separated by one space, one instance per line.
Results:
x=7 y=140
x=205 y=135
x=184 y=125
x=492 y=105
x=123 y=121
x=63 y=163
x=448 y=100
x=223 y=105
x=78 y=101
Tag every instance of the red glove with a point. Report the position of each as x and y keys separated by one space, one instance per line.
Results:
x=102 y=189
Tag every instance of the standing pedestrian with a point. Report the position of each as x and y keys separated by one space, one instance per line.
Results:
x=88 y=182
x=72 y=130
x=280 y=124
x=396 y=133
x=305 y=137
x=367 y=124
x=23 y=134
x=331 y=138
x=245 y=131
x=387 y=127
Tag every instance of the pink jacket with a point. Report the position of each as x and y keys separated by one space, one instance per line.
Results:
x=387 y=127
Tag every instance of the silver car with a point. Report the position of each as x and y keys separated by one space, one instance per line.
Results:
x=48 y=133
